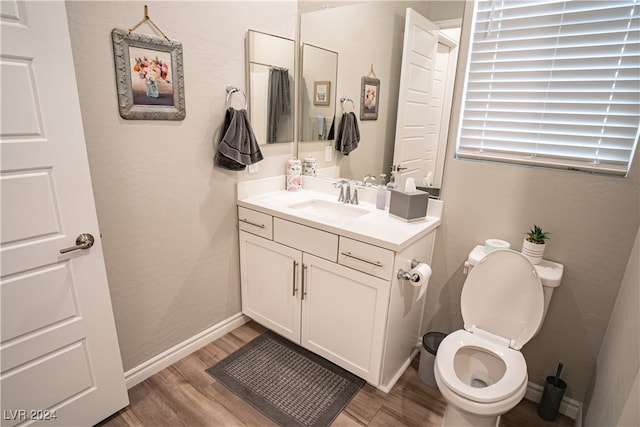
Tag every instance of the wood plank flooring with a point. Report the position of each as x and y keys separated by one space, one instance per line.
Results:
x=185 y=395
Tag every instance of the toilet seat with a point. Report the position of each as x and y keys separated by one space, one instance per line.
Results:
x=515 y=373
x=502 y=304
x=503 y=296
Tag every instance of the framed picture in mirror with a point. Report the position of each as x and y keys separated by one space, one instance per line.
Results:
x=321 y=92
x=369 y=98
x=149 y=76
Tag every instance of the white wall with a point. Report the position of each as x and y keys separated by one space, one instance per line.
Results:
x=167 y=216
x=614 y=401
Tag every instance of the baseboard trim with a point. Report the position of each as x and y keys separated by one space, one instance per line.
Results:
x=157 y=363
x=387 y=387
x=569 y=407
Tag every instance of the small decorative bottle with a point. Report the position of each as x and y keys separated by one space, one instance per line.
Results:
x=294 y=172
x=309 y=166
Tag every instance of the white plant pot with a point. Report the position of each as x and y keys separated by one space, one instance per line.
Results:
x=533 y=251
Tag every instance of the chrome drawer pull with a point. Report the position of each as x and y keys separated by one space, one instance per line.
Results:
x=350 y=255
x=246 y=221
x=295 y=273
x=304 y=273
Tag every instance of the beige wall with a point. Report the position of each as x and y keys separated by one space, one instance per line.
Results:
x=592 y=221
x=167 y=216
x=614 y=400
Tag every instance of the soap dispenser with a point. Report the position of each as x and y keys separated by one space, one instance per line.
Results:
x=381 y=199
x=392 y=181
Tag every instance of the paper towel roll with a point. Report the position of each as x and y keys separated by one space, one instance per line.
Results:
x=423 y=271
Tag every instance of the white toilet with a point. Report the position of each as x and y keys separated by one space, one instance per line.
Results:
x=479 y=369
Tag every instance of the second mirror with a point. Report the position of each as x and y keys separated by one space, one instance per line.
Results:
x=319 y=78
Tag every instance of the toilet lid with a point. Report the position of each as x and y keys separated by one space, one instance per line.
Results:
x=503 y=296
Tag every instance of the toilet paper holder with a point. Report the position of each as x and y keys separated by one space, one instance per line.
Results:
x=405 y=275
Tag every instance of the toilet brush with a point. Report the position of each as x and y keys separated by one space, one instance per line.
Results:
x=558 y=374
x=552 y=396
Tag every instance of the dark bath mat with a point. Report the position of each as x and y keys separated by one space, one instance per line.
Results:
x=286 y=382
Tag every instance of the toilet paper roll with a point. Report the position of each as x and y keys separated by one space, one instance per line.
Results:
x=423 y=271
x=491 y=245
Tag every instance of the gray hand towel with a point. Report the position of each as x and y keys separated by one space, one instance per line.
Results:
x=348 y=134
x=238 y=146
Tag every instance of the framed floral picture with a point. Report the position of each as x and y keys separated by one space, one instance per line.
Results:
x=149 y=76
x=321 y=92
x=369 y=98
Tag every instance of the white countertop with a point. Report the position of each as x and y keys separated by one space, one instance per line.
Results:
x=375 y=227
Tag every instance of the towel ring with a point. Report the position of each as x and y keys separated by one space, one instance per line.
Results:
x=345 y=99
x=230 y=91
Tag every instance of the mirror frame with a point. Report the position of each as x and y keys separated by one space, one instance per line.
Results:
x=260 y=124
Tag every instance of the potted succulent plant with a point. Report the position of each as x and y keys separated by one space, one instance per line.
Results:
x=534 y=244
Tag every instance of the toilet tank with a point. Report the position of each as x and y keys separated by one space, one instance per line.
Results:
x=550 y=274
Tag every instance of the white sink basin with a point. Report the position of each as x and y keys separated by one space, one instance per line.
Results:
x=329 y=210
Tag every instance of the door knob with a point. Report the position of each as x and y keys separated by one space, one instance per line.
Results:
x=84 y=241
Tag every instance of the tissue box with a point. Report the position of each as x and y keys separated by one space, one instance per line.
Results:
x=409 y=206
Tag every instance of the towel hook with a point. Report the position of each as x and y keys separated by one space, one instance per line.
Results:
x=145 y=19
x=230 y=90
x=345 y=99
x=372 y=73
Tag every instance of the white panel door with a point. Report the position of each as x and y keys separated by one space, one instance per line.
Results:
x=344 y=313
x=59 y=350
x=418 y=120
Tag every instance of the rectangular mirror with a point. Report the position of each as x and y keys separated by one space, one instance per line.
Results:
x=271 y=86
x=318 y=93
x=365 y=36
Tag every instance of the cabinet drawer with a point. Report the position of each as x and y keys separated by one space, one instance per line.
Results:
x=366 y=258
x=255 y=222
x=306 y=239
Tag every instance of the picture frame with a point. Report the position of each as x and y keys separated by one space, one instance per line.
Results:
x=149 y=76
x=369 y=98
x=321 y=92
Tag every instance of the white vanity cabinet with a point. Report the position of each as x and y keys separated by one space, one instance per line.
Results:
x=332 y=294
x=332 y=310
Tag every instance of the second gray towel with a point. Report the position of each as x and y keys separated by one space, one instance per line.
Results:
x=348 y=134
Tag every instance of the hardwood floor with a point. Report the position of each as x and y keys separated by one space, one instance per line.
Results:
x=185 y=395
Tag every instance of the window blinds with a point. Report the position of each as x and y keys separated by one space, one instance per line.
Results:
x=553 y=83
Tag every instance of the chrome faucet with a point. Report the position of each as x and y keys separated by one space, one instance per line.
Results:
x=367 y=178
x=345 y=192
x=354 y=197
x=341 y=184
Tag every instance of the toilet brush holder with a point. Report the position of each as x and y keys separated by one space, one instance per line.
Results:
x=554 y=389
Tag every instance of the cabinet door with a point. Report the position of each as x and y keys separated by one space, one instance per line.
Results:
x=270 y=277
x=343 y=316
